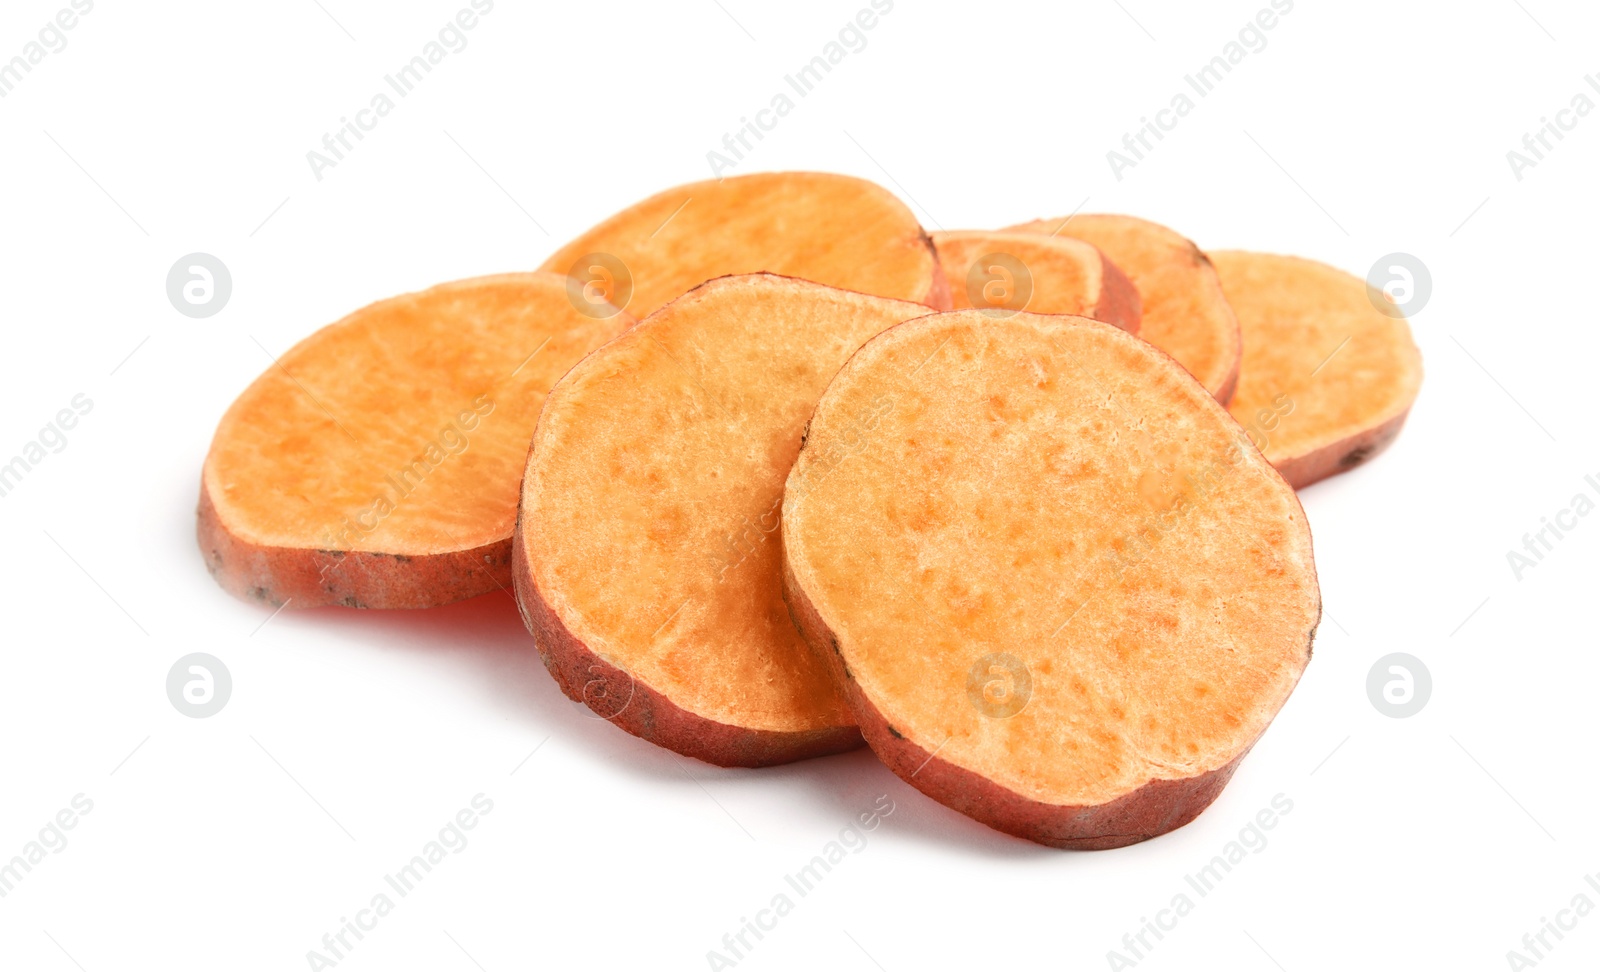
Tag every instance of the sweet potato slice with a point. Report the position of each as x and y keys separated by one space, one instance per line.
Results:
x=647 y=562
x=1008 y=272
x=1327 y=379
x=375 y=464
x=831 y=229
x=1185 y=312
x=1063 y=593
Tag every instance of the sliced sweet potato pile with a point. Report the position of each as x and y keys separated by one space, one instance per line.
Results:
x=375 y=464
x=647 y=562
x=1185 y=312
x=1007 y=272
x=827 y=228
x=1063 y=593
x=1327 y=379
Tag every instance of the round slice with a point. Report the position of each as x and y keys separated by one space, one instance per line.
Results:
x=1185 y=312
x=1064 y=595
x=375 y=464
x=831 y=229
x=1006 y=272
x=1328 y=379
x=647 y=561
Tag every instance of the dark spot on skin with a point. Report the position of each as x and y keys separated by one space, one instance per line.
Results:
x=351 y=602
x=260 y=594
x=331 y=553
x=406 y=558
x=1356 y=456
x=895 y=732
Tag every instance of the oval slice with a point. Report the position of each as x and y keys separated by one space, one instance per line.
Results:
x=1064 y=595
x=1007 y=272
x=831 y=229
x=647 y=562
x=1328 y=379
x=375 y=464
x=1185 y=312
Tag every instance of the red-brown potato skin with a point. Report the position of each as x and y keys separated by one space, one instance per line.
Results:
x=938 y=296
x=308 y=577
x=1230 y=385
x=1151 y=810
x=620 y=698
x=1341 y=456
x=1120 y=304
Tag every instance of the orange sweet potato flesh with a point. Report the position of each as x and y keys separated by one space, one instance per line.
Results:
x=978 y=499
x=1004 y=272
x=831 y=229
x=1185 y=311
x=376 y=463
x=1327 y=379
x=647 y=562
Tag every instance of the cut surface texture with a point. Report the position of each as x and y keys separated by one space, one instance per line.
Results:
x=1184 y=311
x=647 y=560
x=1007 y=272
x=1327 y=379
x=1062 y=592
x=375 y=464
x=830 y=229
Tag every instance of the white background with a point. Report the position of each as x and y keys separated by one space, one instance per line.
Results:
x=238 y=841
